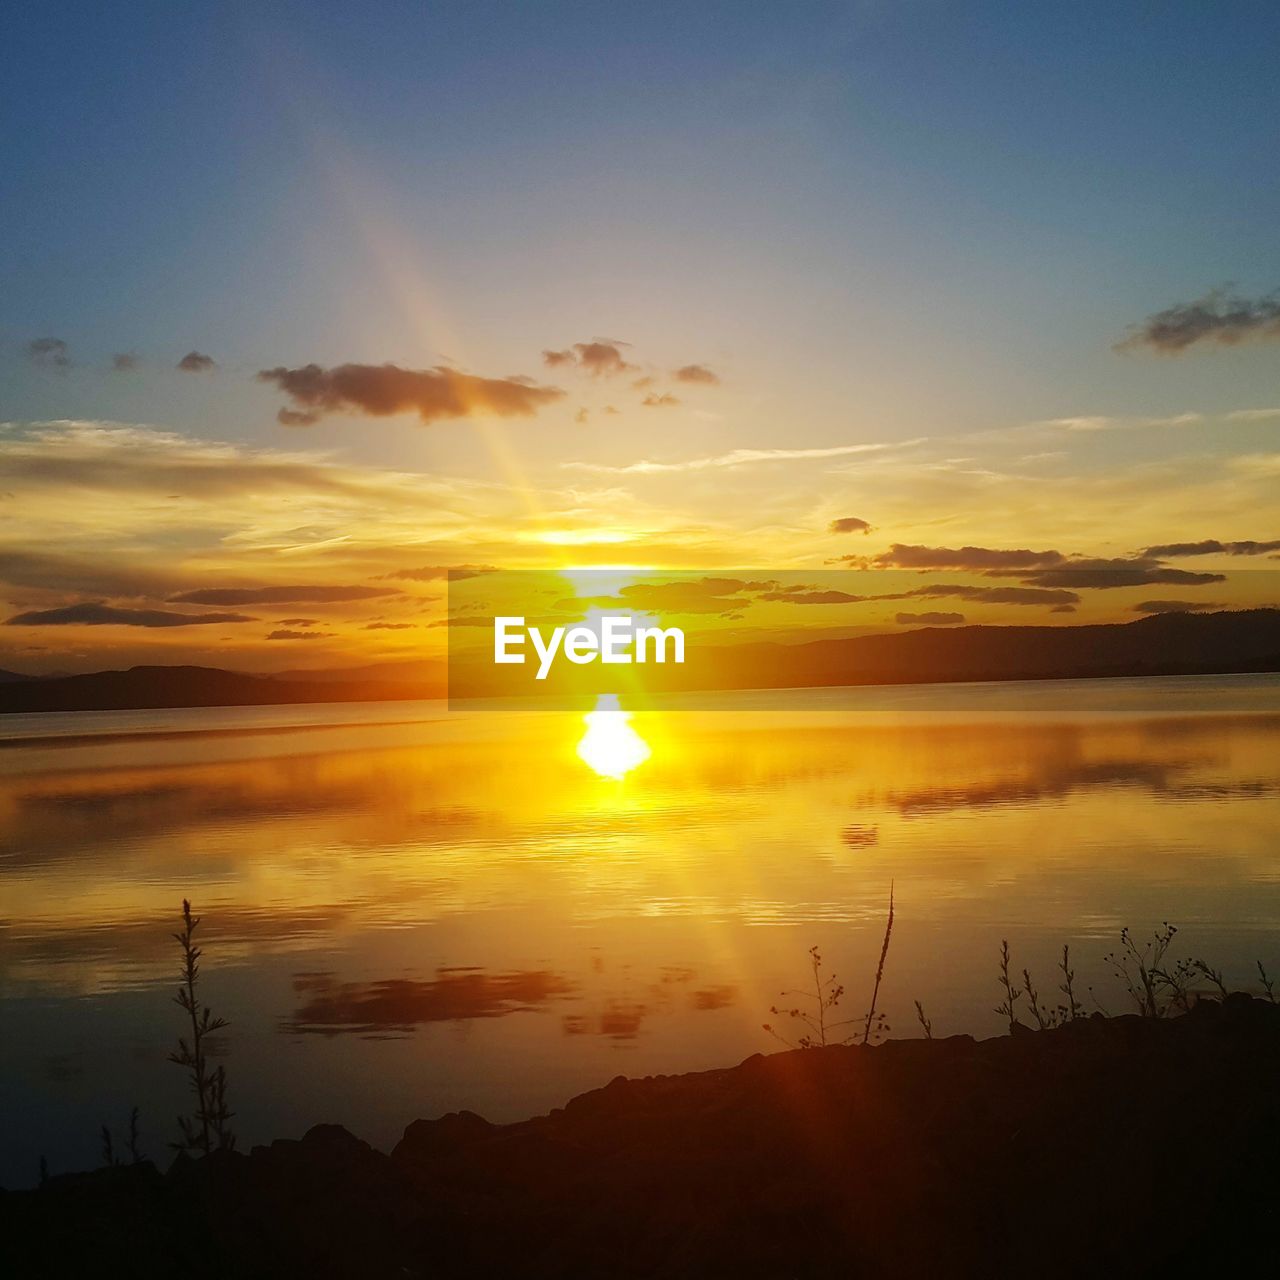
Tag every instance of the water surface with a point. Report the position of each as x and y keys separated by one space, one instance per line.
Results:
x=410 y=910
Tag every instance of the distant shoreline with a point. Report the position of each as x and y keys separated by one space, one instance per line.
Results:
x=1243 y=642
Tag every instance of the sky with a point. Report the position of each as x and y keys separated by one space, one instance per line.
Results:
x=301 y=305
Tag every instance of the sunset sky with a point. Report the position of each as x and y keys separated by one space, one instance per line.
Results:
x=304 y=304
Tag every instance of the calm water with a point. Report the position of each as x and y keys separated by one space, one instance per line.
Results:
x=410 y=911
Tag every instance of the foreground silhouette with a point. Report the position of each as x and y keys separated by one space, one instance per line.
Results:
x=1144 y=1144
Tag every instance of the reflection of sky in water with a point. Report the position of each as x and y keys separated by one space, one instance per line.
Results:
x=426 y=913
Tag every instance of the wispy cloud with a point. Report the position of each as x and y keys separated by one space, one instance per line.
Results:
x=736 y=458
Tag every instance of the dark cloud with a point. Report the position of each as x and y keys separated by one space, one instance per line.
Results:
x=388 y=626
x=49 y=353
x=1178 y=606
x=299 y=635
x=602 y=358
x=96 y=614
x=279 y=595
x=124 y=362
x=1211 y=546
x=928 y=619
x=849 y=524
x=978 y=559
x=380 y=391
x=1049 y=569
x=1101 y=574
x=196 y=362
x=660 y=400
x=812 y=595
x=436 y=572
x=991 y=595
x=697 y=595
x=697 y=373
x=1218 y=318
x=299 y=622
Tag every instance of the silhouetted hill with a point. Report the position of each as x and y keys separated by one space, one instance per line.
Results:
x=1166 y=644
x=148 y=687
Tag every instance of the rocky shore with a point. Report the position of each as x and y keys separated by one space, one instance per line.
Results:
x=1140 y=1146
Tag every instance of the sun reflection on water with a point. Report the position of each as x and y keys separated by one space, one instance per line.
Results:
x=610 y=745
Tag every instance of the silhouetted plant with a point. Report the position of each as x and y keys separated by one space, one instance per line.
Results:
x=1073 y=1009
x=1154 y=986
x=924 y=1022
x=209 y=1128
x=816 y=1007
x=876 y=1023
x=1009 y=1005
x=1045 y=1018
x=132 y=1145
x=813 y=1014
x=1214 y=975
x=1268 y=986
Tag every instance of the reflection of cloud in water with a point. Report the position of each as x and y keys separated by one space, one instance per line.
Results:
x=860 y=837
x=1055 y=780
x=398 y=1004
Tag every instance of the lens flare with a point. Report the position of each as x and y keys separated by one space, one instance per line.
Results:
x=610 y=745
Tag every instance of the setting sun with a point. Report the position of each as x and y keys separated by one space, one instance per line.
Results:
x=610 y=745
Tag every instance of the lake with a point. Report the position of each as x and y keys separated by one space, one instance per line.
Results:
x=410 y=910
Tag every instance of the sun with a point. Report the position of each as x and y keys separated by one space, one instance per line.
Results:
x=610 y=745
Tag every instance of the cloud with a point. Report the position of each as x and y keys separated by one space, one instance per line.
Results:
x=849 y=524
x=85 y=573
x=49 y=353
x=279 y=595
x=696 y=595
x=928 y=619
x=1218 y=318
x=388 y=626
x=697 y=373
x=1178 y=606
x=124 y=362
x=601 y=358
x=299 y=622
x=299 y=635
x=96 y=614
x=438 y=572
x=734 y=458
x=1101 y=574
x=1252 y=415
x=978 y=559
x=380 y=391
x=195 y=362
x=1211 y=546
x=663 y=400
x=991 y=595
x=812 y=595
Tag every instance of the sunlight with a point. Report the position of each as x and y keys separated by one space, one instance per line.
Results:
x=610 y=745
